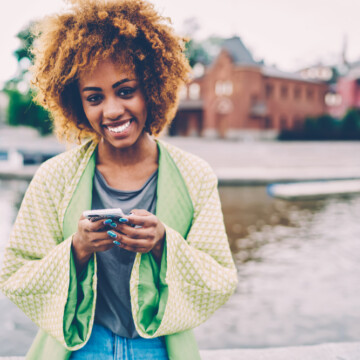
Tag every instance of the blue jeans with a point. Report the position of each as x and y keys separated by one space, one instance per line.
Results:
x=105 y=345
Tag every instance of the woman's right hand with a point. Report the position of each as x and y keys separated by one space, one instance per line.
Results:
x=91 y=237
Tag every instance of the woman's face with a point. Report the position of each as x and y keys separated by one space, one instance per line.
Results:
x=114 y=104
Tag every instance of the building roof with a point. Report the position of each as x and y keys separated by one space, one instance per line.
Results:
x=241 y=56
x=238 y=51
x=275 y=72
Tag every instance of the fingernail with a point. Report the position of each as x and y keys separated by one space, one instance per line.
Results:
x=113 y=225
x=116 y=242
x=123 y=220
x=108 y=221
x=112 y=234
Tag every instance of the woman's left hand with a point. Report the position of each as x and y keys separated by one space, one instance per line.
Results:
x=148 y=235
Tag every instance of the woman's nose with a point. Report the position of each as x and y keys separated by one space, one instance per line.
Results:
x=113 y=109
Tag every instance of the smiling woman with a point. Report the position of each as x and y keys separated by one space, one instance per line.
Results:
x=109 y=71
x=135 y=36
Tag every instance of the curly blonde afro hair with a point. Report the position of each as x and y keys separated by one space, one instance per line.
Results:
x=93 y=30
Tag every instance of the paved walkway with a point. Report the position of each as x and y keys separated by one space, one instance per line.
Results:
x=271 y=161
x=339 y=351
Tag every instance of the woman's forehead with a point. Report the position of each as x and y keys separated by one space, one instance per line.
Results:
x=108 y=69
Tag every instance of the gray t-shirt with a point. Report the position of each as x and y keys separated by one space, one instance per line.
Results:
x=113 y=306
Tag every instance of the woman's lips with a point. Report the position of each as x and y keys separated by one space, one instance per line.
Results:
x=119 y=128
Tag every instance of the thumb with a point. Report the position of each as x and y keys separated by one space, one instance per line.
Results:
x=140 y=212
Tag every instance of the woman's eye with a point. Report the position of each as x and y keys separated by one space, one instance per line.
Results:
x=126 y=92
x=94 y=98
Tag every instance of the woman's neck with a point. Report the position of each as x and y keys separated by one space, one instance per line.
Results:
x=128 y=169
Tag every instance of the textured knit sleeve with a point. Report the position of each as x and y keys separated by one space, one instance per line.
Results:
x=36 y=266
x=199 y=274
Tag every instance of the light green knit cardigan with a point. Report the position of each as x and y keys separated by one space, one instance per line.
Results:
x=196 y=276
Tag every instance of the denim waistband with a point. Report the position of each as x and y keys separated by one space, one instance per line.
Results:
x=105 y=345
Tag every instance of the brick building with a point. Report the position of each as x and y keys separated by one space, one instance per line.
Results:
x=237 y=95
x=346 y=94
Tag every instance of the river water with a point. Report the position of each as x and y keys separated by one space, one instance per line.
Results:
x=298 y=266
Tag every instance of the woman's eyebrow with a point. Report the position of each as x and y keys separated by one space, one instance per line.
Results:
x=121 y=82
x=118 y=83
x=91 y=88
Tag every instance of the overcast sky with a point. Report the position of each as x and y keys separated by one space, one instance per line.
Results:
x=288 y=33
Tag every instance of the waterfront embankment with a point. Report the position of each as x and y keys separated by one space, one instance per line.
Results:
x=252 y=162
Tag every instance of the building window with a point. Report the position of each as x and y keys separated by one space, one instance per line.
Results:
x=194 y=91
x=269 y=91
x=297 y=92
x=284 y=91
x=309 y=94
x=223 y=88
x=183 y=93
x=333 y=99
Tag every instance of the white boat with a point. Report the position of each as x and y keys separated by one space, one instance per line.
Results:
x=313 y=189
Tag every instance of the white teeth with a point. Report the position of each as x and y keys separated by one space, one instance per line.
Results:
x=119 y=129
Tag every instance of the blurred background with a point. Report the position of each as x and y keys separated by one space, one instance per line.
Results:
x=274 y=97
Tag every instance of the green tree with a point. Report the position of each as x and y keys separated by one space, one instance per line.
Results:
x=196 y=53
x=350 y=126
x=310 y=128
x=21 y=109
x=203 y=52
x=326 y=127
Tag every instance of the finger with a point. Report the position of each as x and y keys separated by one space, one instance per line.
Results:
x=96 y=236
x=92 y=226
x=142 y=220
x=135 y=245
x=140 y=212
x=111 y=223
x=135 y=212
x=114 y=235
x=136 y=249
x=99 y=236
x=137 y=233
